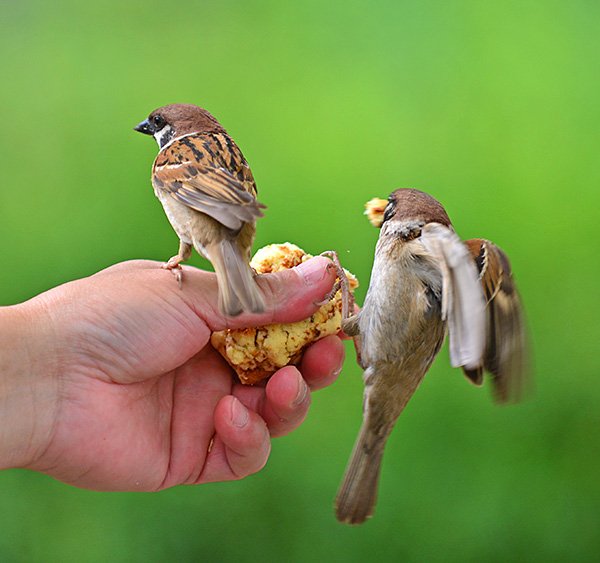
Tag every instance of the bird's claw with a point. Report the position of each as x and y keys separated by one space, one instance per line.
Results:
x=175 y=267
x=341 y=284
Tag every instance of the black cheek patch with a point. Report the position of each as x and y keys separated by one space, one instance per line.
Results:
x=389 y=210
x=166 y=138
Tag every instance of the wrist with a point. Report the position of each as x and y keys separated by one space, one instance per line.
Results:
x=27 y=386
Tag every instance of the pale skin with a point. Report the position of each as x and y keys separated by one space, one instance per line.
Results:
x=110 y=382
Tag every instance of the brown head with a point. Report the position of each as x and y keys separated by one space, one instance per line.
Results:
x=172 y=121
x=411 y=210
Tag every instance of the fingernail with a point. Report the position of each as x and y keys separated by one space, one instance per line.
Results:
x=338 y=370
x=239 y=414
x=313 y=270
x=302 y=392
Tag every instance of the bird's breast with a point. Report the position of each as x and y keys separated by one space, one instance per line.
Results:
x=401 y=312
x=180 y=216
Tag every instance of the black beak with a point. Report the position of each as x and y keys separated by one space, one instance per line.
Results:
x=144 y=127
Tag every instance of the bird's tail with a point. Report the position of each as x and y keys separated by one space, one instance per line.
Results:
x=238 y=290
x=357 y=495
x=383 y=404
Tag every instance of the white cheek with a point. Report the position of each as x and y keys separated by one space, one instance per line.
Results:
x=163 y=136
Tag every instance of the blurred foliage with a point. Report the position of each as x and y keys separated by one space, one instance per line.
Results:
x=492 y=107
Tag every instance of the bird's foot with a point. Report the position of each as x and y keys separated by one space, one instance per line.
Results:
x=174 y=265
x=341 y=284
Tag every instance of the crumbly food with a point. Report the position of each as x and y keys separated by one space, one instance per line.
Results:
x=256 y=353
x=374 y=210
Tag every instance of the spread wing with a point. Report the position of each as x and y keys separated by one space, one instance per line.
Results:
x=208 y=173
x=506 y=351
x=463 y=303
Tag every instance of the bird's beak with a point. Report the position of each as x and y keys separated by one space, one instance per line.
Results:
x=144 y=127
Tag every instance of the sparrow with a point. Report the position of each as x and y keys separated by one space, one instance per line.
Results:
x=426 y=283
x=209 y=196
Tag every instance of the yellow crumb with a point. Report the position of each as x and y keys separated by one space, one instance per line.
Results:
x=374 y=210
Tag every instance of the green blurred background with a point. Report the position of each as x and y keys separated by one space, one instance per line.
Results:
x=492 y=107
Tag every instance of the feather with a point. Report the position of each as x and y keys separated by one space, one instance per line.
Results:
x=199 y=176
x=506 y=352
x=463 y=303
x=238 y=290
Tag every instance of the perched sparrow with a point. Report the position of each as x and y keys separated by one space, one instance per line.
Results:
x=426 y=282
x=209 y=195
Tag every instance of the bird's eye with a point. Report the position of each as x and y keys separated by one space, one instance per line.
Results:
x=158 y=122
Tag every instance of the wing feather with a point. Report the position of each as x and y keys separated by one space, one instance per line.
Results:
x=208 y=173
x=463 y=303
x=506 y=352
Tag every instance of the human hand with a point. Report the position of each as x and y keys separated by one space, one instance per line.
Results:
x=115 y=385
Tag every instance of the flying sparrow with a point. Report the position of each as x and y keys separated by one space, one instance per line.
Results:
x=425 y=283
x=209 y=195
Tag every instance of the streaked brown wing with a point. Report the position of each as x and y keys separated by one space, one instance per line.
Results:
x=208 y=173
x=506 y=351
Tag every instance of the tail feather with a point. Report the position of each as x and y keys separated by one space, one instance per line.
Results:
x=238 y=290
x=357 y=495
x=387 y=392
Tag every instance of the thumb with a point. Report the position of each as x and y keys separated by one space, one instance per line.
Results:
x=290 y=295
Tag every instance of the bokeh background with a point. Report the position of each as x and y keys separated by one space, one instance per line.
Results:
x=492 y=107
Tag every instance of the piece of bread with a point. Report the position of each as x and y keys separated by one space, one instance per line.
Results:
x=374 y=210
x=258 y=352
